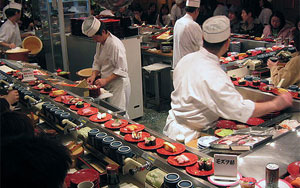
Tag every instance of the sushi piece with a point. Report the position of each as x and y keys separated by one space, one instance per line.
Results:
x=47 y=89
x=150 y=141
x=116 y=123
x=136 y=135
x=205 y=164
x=101 y=115
x=182 y=159
x=41 y=86
x=242 y=81
x=131 y=127
x=79 y=104
x=256 y=82
x=169 y=147
x=233 y=78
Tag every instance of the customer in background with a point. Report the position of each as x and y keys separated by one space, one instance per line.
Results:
x=250 y=24
x=150 y=15
x=203 y=92
x=234 y=15
x=10 y=36
x=296 y=27
x=137 y=14
x=34 y=162
x=177 y=10
x=221 y=9
x=164 y=18
x=290 y=72
x=204 y=12
x=277 y=27
x=187 y=32
x=124 y=12
x=266 y=11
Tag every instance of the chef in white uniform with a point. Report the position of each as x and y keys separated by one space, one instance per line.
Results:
x=177 y=11
x=109 y=61
x=187 y=32
x=10 y=36
x=203 y=92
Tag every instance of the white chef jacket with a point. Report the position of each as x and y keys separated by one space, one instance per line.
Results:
x=203 y=93
x=177 y=12
x=10 y=33
x=264 y=16
x=110 y=58
x=187 y=38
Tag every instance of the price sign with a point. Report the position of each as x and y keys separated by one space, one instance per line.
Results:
x=225 y=165
x=28 y=75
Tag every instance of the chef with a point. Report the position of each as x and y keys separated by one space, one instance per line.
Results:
x=109 y=61
x=203 y=92
x=177 y=11
x=187 y=32
x=10 y=36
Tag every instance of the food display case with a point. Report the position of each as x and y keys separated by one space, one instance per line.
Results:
x=143 y=163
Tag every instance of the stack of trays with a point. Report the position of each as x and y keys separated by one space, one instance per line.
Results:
x=204 y=142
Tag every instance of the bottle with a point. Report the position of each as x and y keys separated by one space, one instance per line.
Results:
x=113 y=179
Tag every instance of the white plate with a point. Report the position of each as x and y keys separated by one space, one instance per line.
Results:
x=281 y=184
x=206 y=140
x=224 y=183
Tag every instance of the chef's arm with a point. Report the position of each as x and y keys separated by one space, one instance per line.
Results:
x=279 y=103
x=104 y=81
x=12 y=45
x=92 y=78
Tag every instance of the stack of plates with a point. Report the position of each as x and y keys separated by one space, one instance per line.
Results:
x=204 y=142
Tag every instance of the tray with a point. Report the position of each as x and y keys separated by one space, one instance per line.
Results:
x=250 y=142
x=226 y=144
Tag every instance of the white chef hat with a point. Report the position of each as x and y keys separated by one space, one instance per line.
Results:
x=216 y=29
x=90 y=26
x=14 y=5
x=193 y=3
x=178 y=1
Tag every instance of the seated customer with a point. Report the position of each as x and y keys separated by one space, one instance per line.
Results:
x=234 y=16
x=250 y=24
x=34 y=162
x=277 y=27
x=290 y=72
x=164 y=18
x=6 y=100
x=150 y=15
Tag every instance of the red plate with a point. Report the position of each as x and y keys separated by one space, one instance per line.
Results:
x=253 y=86
x=294 y=168
x=179 y=149
x=236 y=83
x=129 y=138
x=44 y=92
x=85 y=105
x=255 y=121
x=67 y=101
x=194 y=170
x=93 y=111
x=108 y=124
x=62 y=98
x=193 y=159
x=37 y=88
x=140 y=128
x=291 y=178
x=226 y=124
x=51 y=94
x=261 y=87
x=159 y=144
x=94 y=118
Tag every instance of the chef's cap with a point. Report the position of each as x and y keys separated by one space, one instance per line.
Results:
x=14 y=5
x=216 y=29
x=90 y=26
x=178 y=1
x=193 y=3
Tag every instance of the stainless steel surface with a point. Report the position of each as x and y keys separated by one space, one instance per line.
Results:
x=282 y=151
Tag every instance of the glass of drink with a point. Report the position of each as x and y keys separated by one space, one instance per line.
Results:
x=94 y=91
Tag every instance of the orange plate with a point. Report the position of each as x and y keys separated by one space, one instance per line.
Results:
x=95 y=119
x=159 y=144
x=51 y=94
x=123 y=124
x=194 y=170
x=179 y=149
x=140 y=128
x=193 y=159
x=92 y=111
x=129 y=138
x=85 y=105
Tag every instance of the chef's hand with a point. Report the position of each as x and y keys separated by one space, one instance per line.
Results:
x=101 y=82
x=91 y=80
x=12 y=46
x=12 y=97
x=283 y=101
x=271 y=64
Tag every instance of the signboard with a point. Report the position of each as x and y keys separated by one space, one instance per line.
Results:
x=28 y=75
x=225 y=165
